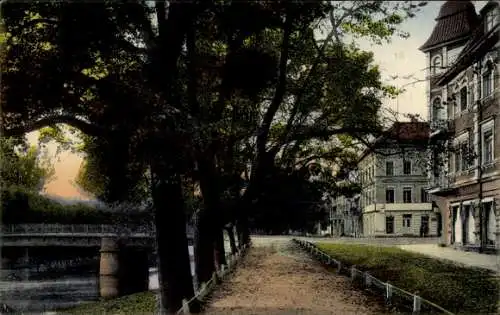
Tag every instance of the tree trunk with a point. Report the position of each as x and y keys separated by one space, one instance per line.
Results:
x=210 y=225
x=219 y=250
x=232 y=241
x=204 y=254
x=174 y=270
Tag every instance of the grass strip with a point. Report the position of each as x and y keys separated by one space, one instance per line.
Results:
x=454 y=287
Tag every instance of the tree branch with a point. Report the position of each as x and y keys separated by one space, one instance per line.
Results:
x=280 y=90
x=81 y=125
x=307 y=81
x=309 y=133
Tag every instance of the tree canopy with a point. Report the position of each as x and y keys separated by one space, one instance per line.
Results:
x=23 y=165
x=200 y=93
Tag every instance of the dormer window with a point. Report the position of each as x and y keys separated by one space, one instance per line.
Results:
x=436 y=65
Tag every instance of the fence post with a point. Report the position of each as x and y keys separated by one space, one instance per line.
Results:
x=368 y=280
x=353 y=273
x=416 y=304
x=215 y=280
x=203 y=289
x=388 y=293
x=339 y=267
x=185 y=306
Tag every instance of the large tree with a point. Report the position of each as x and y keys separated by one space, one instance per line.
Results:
x=86 y=66
x=172 y=93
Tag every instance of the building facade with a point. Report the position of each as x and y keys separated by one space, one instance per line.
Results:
x=345 y=217
x=463 y=101
x=393 y=177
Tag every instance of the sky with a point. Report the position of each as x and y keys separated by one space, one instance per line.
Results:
x=401 y=57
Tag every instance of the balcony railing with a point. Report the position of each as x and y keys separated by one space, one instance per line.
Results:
x=440 y=183
x=440 y=124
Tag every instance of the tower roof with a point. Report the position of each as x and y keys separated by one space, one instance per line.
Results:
x=456 y=20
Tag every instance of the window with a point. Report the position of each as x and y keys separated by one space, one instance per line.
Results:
x=436 y=65
x=463 y=98
x=458 y=158
x=407 y=167
x=487 y=86
x=424 y=225
x=424 y=197
x=488 y=146
x=464 y=148
x=389 y=168
x=407 y=194
x=389 y=195
x=406 y=220
x=389 y=224
x=436 y=106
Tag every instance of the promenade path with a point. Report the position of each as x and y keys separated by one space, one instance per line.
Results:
x=278 y=278
x=491 y=262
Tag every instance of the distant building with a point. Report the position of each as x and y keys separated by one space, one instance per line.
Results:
x=393 y=177
x=463 y=95
x=345 y=217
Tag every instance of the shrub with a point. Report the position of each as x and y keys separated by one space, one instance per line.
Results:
x=21 y=206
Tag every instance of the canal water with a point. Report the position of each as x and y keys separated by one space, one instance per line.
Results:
x=48 y=292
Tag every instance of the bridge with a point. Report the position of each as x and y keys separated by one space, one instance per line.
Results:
x=116 y=250
x=78 y=235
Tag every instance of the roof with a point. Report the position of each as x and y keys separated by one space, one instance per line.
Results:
x=408 y=133
x=455 y=21
x=478 y=45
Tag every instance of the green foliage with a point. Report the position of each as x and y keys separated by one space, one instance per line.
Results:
x=457 y=289
x=139 y=303
x=289 y=200
x=21 y=206
x=23 y=165
x=110 y=172
x=66 y=137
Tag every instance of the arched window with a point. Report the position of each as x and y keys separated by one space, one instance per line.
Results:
x=436 y=106
x=436 y=64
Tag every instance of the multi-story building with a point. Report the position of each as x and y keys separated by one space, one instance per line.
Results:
x=393 y=177
x=463 y=95
x=345 y=216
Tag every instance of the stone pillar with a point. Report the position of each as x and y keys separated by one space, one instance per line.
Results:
x=109 y=268
x=123 y=270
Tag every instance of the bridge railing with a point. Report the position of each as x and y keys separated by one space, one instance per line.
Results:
x=38 y=228
x=50 y=228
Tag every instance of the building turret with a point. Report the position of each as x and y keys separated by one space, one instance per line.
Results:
x=455 y=22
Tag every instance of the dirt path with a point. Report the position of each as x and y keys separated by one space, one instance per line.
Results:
x=279 y=278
